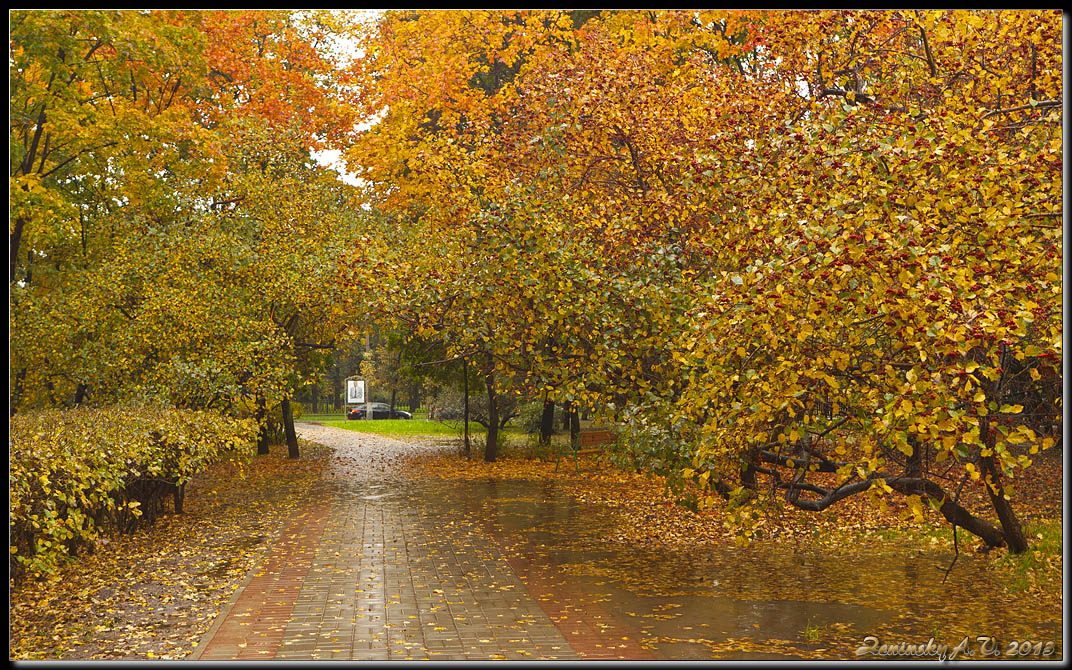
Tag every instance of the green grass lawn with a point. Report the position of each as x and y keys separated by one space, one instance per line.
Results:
x=415 y=426
x=394 y=426
x=400 y=427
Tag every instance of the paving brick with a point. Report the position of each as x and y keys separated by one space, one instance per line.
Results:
x=371 y=569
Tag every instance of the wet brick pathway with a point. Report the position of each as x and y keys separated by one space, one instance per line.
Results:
x=372 y=570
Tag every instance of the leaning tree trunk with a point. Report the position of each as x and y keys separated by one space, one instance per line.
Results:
x=288 y=429
x=14 y=240
x=1010 y=525
x=953 y=512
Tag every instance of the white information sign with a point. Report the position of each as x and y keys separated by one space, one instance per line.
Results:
x=355 y=391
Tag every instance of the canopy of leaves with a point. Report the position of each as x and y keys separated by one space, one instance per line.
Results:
x=170 y=236
x=833 y=235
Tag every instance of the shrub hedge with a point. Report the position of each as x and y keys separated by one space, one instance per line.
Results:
x=73 y=472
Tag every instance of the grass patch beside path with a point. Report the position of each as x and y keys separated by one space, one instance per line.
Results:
x=154 y=593
x=391 y=427
x=403 y=427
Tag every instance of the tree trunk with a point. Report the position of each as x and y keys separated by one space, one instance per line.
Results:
x=178 y=495
x=574 y=427
x=465 y=410
x=262 y=431
x=547 y=421
x=288 y=429
x=952 y=511
x=14 y=240
x=1010 y=525
x=567 y=407
x=336 y=388
x=414 y=397
x=491 y=450
x=748 y=471
x=394 y=385
x=914 y=466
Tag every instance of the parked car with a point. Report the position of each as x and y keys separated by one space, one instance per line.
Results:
x=380 y=410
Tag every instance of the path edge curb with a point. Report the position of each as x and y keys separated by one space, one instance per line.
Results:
x=225 y=611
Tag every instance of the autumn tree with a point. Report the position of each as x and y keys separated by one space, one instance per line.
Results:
x=155 y=253
x=911 y=209
x=774 y=244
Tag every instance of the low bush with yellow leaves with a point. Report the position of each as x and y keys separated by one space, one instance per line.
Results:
x=74 y=472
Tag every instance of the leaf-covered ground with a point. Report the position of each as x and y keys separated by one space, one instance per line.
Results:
x=178 y=573
x=1038 y=497
x=154 y=593
x=650 y=516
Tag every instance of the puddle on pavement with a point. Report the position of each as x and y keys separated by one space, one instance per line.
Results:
x=742 y=603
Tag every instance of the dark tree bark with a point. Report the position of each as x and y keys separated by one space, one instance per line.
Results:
x=491 y=450
x=914 y=466
x=414 y=396
x=1010 y=525
x=394 y=387
x=262 y=422
x=178 y=495
x=749 y=469
x=336 y=387
x=14 y=241
x=574 y=427
x=567 y=408
x=953 y=512
x=465 y=409
x=288 y=429
x=547 y=421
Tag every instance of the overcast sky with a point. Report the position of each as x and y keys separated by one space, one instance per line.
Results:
x=348 y=51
